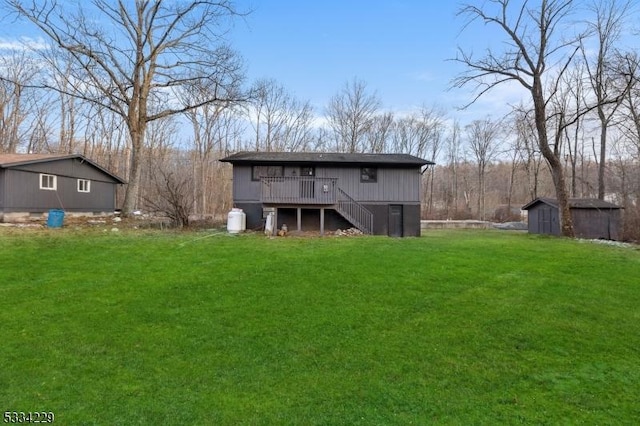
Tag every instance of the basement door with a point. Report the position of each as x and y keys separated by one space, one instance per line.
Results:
x=395 y=220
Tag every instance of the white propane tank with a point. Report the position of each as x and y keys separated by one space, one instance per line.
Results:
x=236 y=221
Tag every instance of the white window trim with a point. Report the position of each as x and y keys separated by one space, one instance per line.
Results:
x=49 y=188
x=87 y=187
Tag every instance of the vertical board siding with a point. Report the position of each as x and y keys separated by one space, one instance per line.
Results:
x=393 y=185
x=67 y=167
x=587 y=223
x=596 y=223
x=22 y=191
x=244 y=189
x=2 y=173
x=25 y=194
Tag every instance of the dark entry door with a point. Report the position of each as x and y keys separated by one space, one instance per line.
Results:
x=395 y=220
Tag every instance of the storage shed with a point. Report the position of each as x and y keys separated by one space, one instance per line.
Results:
x=32 y=184
x=592 y=218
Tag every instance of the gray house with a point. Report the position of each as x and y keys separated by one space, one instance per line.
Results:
x=376 y=193
x=592 y=218
x=32 y=184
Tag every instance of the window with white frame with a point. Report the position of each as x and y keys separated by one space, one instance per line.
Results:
x=48 y=182
x=84 y=185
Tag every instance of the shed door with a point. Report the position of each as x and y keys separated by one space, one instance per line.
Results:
x=395 y=220
x=544 y=218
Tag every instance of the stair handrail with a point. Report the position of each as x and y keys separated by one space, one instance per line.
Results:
x=355 y=212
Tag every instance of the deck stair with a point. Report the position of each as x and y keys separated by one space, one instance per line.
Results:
x=302 y=190
x=354 y=212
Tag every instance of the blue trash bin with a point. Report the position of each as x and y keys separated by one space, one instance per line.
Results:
x=55 y=218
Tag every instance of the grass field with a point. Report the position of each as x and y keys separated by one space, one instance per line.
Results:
x=456 y=327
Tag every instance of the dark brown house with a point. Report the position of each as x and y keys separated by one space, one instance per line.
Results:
x=376 y=193
x=32 y=184
x=592 y=218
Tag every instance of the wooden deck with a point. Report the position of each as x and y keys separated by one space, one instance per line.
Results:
x=296 y=190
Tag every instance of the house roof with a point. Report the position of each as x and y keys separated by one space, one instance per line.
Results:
x=574 y=203
x=325 y=157
x=14 y=160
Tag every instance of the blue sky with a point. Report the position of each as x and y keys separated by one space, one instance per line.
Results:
x=399 y=48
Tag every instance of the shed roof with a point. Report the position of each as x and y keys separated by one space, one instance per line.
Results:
x=245 y=157
x=574 y=203
x=14 y=160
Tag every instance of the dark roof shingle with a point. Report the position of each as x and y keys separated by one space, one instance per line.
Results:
x=13 y=160
x=574 y=203
x=325 y=157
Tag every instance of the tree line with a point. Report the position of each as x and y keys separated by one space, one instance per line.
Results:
x=152 y=91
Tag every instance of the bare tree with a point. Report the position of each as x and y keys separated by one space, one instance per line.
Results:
x=16 y=99
x=173 y=192
x=453 y=157
x=280 y=121
x=350 y=114
x=41 y=131
x=130 y=55
x=482 y=140
x=630 y=129
x=379 y=133
x=534 y=48
x=514 y=150
x=575 y=89
x=609 y=22
x=216 y=128
x=630 y=114
x=527 y=143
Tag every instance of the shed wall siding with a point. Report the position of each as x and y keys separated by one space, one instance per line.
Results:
x=592 y=223
x=596 y=223
x=23 y=194
x=71 y=167
x=2 y=191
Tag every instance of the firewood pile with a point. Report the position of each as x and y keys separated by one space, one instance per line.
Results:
x=350 y=232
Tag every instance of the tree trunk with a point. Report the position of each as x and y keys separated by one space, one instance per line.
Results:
x=136 y=133
x=566 y=223
x=553 y=159
x=603 y=153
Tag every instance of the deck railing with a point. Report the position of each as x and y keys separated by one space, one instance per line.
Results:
x=299 y=190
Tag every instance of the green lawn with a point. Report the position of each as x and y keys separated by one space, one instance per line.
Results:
x=456 y=327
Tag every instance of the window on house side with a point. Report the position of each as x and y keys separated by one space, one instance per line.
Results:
x=84 y=185
x=258 y=172
x=48 y=182
x=368 y=174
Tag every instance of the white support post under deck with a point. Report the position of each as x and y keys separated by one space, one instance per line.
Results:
x=275 y=222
